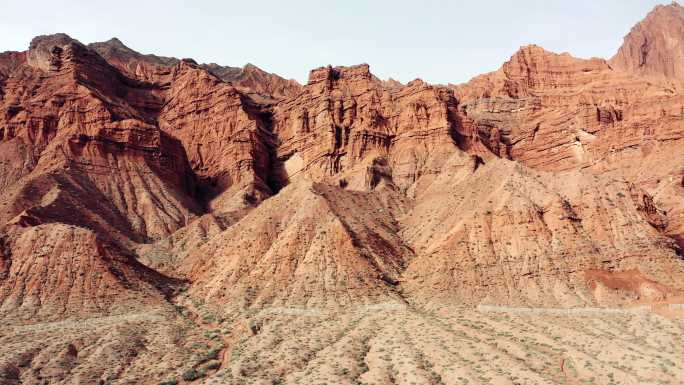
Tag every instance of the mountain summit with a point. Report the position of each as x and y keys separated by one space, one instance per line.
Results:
x=655 y=46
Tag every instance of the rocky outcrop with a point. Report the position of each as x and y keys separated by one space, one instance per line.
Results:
x=345 y=118
x=45 y=51
x=249 y=79
x=548 y=110
x=123 y=57
x=69 y=115
x=554 y=112
x=225 y=135
x=252 y=79
x=525 y=238
x=56 y=271
x=655 y=46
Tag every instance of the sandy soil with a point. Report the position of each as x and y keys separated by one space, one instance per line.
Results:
x=388 y=343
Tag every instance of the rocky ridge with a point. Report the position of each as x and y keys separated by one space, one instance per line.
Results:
x=249 y=78
x=209 y=197
x=654 y=47
x=179 y=154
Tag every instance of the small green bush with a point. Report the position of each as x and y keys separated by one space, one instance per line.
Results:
x=213 y=354
x=192 y=375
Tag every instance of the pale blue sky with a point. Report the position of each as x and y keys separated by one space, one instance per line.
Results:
x=438 y=41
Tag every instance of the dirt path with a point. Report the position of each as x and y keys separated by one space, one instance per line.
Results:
x=194 y=315
x=569 y=378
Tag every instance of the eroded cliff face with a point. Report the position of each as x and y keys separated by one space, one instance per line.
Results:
x=554 y=112
x=513 y=188
x=68 y=114
x=157 y=201
x=224 y=134
x=654 y=46
x=451 y=221
x=131 y=160
x=346 y=120
x=249 y=79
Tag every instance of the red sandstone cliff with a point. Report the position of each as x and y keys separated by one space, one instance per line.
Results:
x=554 y=112
x=249 y=78
x=654 y=46
x=513 y=188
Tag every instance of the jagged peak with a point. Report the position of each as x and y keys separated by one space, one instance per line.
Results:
x=416 y=82
x=250 y=66
x=124 y=57
x=392 y=83
x=41 y=49
x=114 y=43
x=655 y=45
x=115 y=40
x=667 y=7
x=532 y=47
x=56 y=39
x=530 y=54
x=657 y=13
x=330 y=73
x=534 y=50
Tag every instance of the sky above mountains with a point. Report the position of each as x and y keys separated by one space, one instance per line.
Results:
x=438 y=41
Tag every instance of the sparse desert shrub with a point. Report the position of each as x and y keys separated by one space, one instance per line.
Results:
x=192 y=375
x=213 y=354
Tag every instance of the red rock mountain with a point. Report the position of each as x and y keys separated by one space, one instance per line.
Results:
x=249 y=78
x=150 y=153
x=654 y=46
x=554 y=112
x=130 y=182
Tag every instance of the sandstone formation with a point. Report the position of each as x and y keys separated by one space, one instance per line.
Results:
x=654 y=46
x=82 y=128
x=346 y=119
x=84 y=144
x=222 y=131
x=57 y=271
x=250 y=78
x=166 y=222
x=311 y=245
x=527 y=238
x=128 y=60
x=178 y=158
x=554 y=112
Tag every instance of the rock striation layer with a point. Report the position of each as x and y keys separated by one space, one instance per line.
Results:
x=346 y=120
x=346 y=191
x=163 y=219
x=555 y=112
x=250 y=78
x=654 y=46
